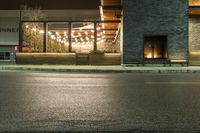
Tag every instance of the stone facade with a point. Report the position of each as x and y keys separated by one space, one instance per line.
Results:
x=154 y=17
x=194 y=33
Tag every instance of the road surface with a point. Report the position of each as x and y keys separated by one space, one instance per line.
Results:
x=60 y=102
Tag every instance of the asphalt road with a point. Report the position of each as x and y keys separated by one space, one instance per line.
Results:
x=31 y=102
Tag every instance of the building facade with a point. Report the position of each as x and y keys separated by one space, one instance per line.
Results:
x=109 y=32
x=155 y=30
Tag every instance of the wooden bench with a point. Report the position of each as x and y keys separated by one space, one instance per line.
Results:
x=178 y=61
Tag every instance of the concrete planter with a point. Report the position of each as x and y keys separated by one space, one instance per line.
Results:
x=67 y=59
x=105 y=59
x=46 y=58
x=194 y=58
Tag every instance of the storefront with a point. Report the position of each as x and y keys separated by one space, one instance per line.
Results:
x=116 y=32
x=56 y=32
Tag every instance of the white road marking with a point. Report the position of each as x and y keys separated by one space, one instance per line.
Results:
x=174 y=83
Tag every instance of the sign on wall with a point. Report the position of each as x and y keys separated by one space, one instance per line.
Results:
x=9 y=31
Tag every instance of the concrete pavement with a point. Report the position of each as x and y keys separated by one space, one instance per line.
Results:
x=104 y=69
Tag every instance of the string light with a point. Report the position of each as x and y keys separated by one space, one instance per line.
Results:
x=41 y=32
x=49 y=33
x=86 y=33
x=65 y=33
x=33 y=29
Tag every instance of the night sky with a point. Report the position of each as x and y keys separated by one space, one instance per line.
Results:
x=50 y=4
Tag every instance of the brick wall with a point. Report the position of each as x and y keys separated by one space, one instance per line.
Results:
x=154 y=17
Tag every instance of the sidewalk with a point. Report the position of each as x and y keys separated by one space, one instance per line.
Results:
x=103 y=69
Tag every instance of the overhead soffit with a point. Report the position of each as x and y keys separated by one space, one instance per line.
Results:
x=194 y=2
x=111 y=11
x=194 y=7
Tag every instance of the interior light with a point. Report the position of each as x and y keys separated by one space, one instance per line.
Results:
x=41 y=31
x=33 y=29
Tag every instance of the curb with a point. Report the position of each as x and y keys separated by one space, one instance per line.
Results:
x=125 y=70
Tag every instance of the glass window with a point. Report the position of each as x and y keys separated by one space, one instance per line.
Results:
x=33 y=37
x=82 y=37
x=58 y=37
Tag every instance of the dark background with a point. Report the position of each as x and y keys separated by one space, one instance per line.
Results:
x=50 y=4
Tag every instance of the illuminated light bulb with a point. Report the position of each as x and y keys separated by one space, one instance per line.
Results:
x=52 y=36
x=98 y=34
x=41 y=31
x=102 y=41
x=65 y=33
x=86 y=33
x=98 y=28
x=57 y=33
x=87 y=38
x=79 y=34
x=27 y=26
x=92 y=31
x=103 y=36
x=33 y=29
x=92 y=36
x=49 y=33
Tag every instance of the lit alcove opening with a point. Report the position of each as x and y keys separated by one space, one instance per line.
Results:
x=155 y=47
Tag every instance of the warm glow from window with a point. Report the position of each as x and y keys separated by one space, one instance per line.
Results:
x=149 y=56
x=194 y=2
